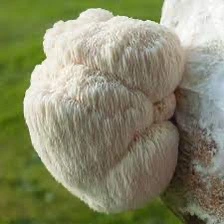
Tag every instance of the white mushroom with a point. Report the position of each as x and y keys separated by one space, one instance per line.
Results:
x=197 y=190
x=98 y=107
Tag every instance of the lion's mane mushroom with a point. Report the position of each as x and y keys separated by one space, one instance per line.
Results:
x=97 y=108
x=197 y=190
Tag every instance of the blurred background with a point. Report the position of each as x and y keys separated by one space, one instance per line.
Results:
x=28 y=194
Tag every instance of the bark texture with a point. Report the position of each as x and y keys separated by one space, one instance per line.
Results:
x=196 y=191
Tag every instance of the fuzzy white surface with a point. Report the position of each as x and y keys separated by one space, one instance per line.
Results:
x=97 y=108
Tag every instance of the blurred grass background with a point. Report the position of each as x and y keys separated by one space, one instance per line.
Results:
x=28 y=194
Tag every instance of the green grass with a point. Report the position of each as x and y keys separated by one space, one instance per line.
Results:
x=28 y=193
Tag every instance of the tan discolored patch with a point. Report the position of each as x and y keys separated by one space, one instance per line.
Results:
x=193 y=183
x=203 y=147
x=160 y=106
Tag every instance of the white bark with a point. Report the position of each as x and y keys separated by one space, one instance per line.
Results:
x=197 y=189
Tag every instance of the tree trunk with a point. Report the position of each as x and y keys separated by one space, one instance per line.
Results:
x=193 y=220
x=196 y=191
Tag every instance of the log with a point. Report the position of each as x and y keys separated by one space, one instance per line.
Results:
x=196 y=192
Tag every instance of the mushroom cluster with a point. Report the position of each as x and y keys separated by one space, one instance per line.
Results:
x=98 y=107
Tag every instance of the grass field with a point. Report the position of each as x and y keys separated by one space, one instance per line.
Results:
x=28 y=194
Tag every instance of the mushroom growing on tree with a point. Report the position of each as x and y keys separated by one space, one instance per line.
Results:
x=197 y=189
x=98 y=108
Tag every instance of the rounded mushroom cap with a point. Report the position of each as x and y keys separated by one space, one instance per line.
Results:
x=97 y=108
x=95 y=15
x=143 y=55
